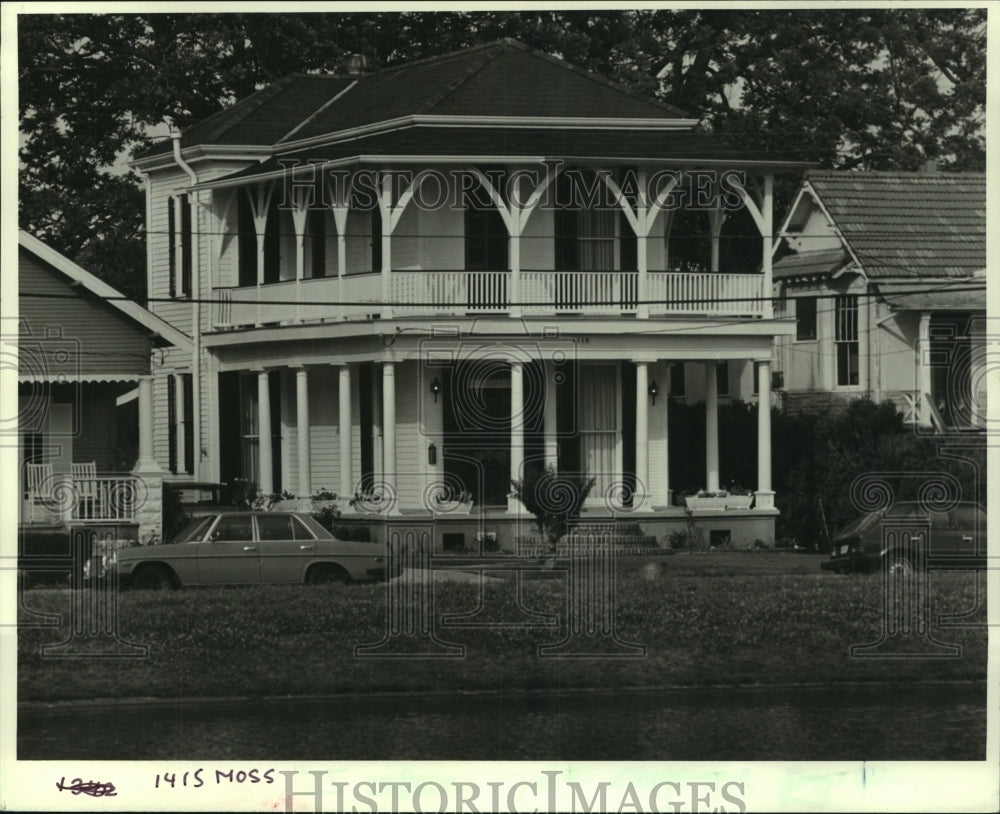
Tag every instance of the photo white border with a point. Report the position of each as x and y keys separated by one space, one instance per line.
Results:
x=769 y=786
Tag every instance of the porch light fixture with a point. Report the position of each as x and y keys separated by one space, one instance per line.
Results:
x=653 y=391
x=435 y=388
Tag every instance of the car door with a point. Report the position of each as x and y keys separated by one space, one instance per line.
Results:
x=231 y=556
x=285 y=548
x=969 y=523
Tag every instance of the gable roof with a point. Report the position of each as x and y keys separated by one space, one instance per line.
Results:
x=905 y=224
x=112 y=296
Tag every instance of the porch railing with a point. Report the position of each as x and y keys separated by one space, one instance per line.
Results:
x=106 y=498
x=455 y=292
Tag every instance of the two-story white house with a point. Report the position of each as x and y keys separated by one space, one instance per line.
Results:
x=884 y=273
x=411 y=284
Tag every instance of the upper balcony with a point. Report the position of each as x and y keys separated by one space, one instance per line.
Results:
x=472 y=293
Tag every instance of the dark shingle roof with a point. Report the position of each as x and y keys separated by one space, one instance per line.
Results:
x=504 y=78
x=265 y=116
x=908 y=225
x=571 y=144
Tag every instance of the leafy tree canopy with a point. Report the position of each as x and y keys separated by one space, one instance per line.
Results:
x=852 y=88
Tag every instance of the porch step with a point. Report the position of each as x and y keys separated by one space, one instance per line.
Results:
x=621 y=543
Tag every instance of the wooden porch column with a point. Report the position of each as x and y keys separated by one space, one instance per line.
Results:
x=300 y=220
x=265 y=456
x=180 y=440
x=302 y=431
x=716 y=218
x=768 y=241
x=516 y=430
x=765 y=496
x=385 y=208
x=643 y=219
x=344 y=431
x=146 y=461
x=389 y=428
x=924 y=370
x=711 y=428
x=549 y=417
x=640 y=500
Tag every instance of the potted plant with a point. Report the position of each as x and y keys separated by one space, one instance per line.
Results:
x=369 y=501
x=449 y=500
x=705 y=499
x=554 y=498
x=739 y=497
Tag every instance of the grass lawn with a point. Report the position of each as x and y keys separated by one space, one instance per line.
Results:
x=703 y=619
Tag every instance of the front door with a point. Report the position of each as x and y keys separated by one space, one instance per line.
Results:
x=477 y=432
x=599 y=416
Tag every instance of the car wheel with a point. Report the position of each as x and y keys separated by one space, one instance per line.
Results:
x=900 y=565
x=326 y=575
x=154 y=578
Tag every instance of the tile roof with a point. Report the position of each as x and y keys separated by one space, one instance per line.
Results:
x=908 y=225
x=805 y=264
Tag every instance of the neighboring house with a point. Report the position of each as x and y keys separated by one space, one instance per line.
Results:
x=85 y=396
x=885 y=277
x=422 y=340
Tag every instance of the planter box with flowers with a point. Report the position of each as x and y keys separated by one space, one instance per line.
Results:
x=719 y=501
x=707 y=500
x=452 y=502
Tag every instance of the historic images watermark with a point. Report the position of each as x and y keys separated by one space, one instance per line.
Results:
x=551 y=791
x=317 y=183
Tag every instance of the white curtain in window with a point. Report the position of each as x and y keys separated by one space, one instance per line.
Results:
x=599 y=425
x=596 y=239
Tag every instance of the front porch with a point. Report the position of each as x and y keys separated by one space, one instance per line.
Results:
x=85 y=457
x=435 y=431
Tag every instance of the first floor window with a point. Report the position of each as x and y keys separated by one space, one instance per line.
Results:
x=722 y=378
x=805 y=318
x=846 y=340
x=677 y=386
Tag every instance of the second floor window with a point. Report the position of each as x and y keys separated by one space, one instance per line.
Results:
x=846 y=340
x=805 y=318
x=722 y=378
x=180 y=248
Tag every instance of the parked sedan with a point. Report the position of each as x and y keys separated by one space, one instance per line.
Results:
x=250 y=548
x=909 y=537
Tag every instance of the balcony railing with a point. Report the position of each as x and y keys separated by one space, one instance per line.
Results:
x=457 y=293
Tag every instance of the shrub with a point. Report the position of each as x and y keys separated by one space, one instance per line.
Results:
x=553 y=497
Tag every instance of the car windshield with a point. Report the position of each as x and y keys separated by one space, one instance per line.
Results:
x=859 y=526
x=193 y=531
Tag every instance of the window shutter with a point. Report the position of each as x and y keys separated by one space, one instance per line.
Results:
x=171 y=425
x=187 y=260
x=172 y=248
